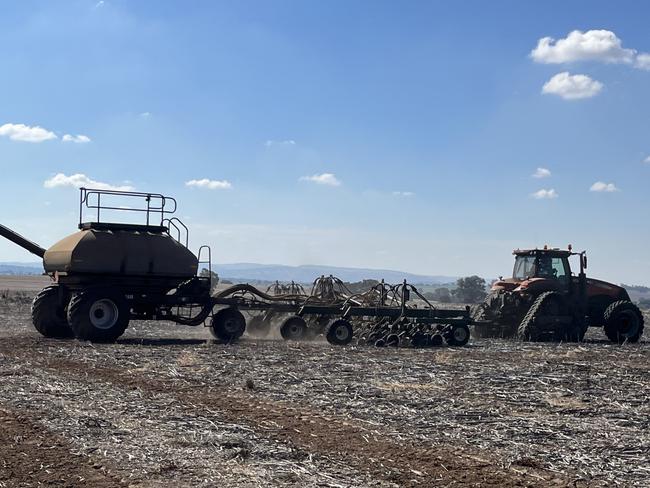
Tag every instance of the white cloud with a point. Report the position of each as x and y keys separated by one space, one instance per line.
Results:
x=403 y=193
x=79 y=138
x=647 y=160
x=288 y=142
x=99 y=4
x=209 y=184
x=25 y=133
x=542 y=173
x=545 y=194
x=643 y=61
x=145 y=115
x=603 y=187
x=593 y=45
x=572 y=87
x=79 y=180
x=322 y=179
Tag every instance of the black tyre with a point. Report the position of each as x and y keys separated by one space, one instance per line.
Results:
x=623 y=322
x=547 y=304
x=258 y=326
x=293 y=328
x=458 y=335
x=339 y=332
x=227 y=325
x=98 y=315
x=48 y=314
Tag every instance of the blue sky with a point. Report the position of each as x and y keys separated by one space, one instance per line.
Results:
x=398 y=135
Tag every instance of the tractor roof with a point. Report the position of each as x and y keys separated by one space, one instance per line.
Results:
x=556 y=253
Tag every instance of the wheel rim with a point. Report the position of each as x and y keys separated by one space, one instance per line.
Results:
x=294 y=330
x=459 y=334
x=341 y=333
x=628 y=324
x=104 y=314
x=231 y=325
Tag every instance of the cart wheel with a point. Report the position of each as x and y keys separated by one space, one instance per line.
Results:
x=339 y=332
x=458 y=335
x=293 y=328
x=228 y=325
x=98 y=315
x=48 y=315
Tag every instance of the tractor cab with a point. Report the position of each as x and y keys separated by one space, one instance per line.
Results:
x=536 y=270
x=548 y=269
x=542 y=264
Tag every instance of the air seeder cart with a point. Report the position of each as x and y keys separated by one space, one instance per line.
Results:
x=108 y=273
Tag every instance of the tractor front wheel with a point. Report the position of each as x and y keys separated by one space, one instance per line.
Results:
x=98 y=315
x=623 y=322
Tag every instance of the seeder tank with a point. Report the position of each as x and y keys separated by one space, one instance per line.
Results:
x=108 y=272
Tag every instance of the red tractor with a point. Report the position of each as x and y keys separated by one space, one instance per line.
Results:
x=544 y=300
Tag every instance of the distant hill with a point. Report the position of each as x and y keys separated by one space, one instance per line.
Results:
x=254 y=272
x=307 y=273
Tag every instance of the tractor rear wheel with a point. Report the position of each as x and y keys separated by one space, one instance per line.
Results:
x=100 y=315
x=293 y=328
x=227 y=325
x=48 y=314
x=623 y=322
x=339 y=332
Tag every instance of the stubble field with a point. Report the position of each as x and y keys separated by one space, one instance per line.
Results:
x=166 y=406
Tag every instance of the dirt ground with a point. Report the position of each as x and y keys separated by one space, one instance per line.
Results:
x=166 y=406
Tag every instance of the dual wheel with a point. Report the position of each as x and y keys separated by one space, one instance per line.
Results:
x=623 y=321
x=339 y=332
x=97 y=315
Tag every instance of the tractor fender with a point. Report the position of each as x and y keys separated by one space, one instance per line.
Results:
x=538 y=285
x=602 y=288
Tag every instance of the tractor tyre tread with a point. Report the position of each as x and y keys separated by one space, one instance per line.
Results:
x=48 y=319
x=79 y=316
x=611 y=331
x=528 y=330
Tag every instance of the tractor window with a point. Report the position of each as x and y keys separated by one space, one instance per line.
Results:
x=559 y=269
x=524 y=267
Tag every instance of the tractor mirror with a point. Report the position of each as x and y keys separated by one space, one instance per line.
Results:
x=407 y=294
x=584 y=261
